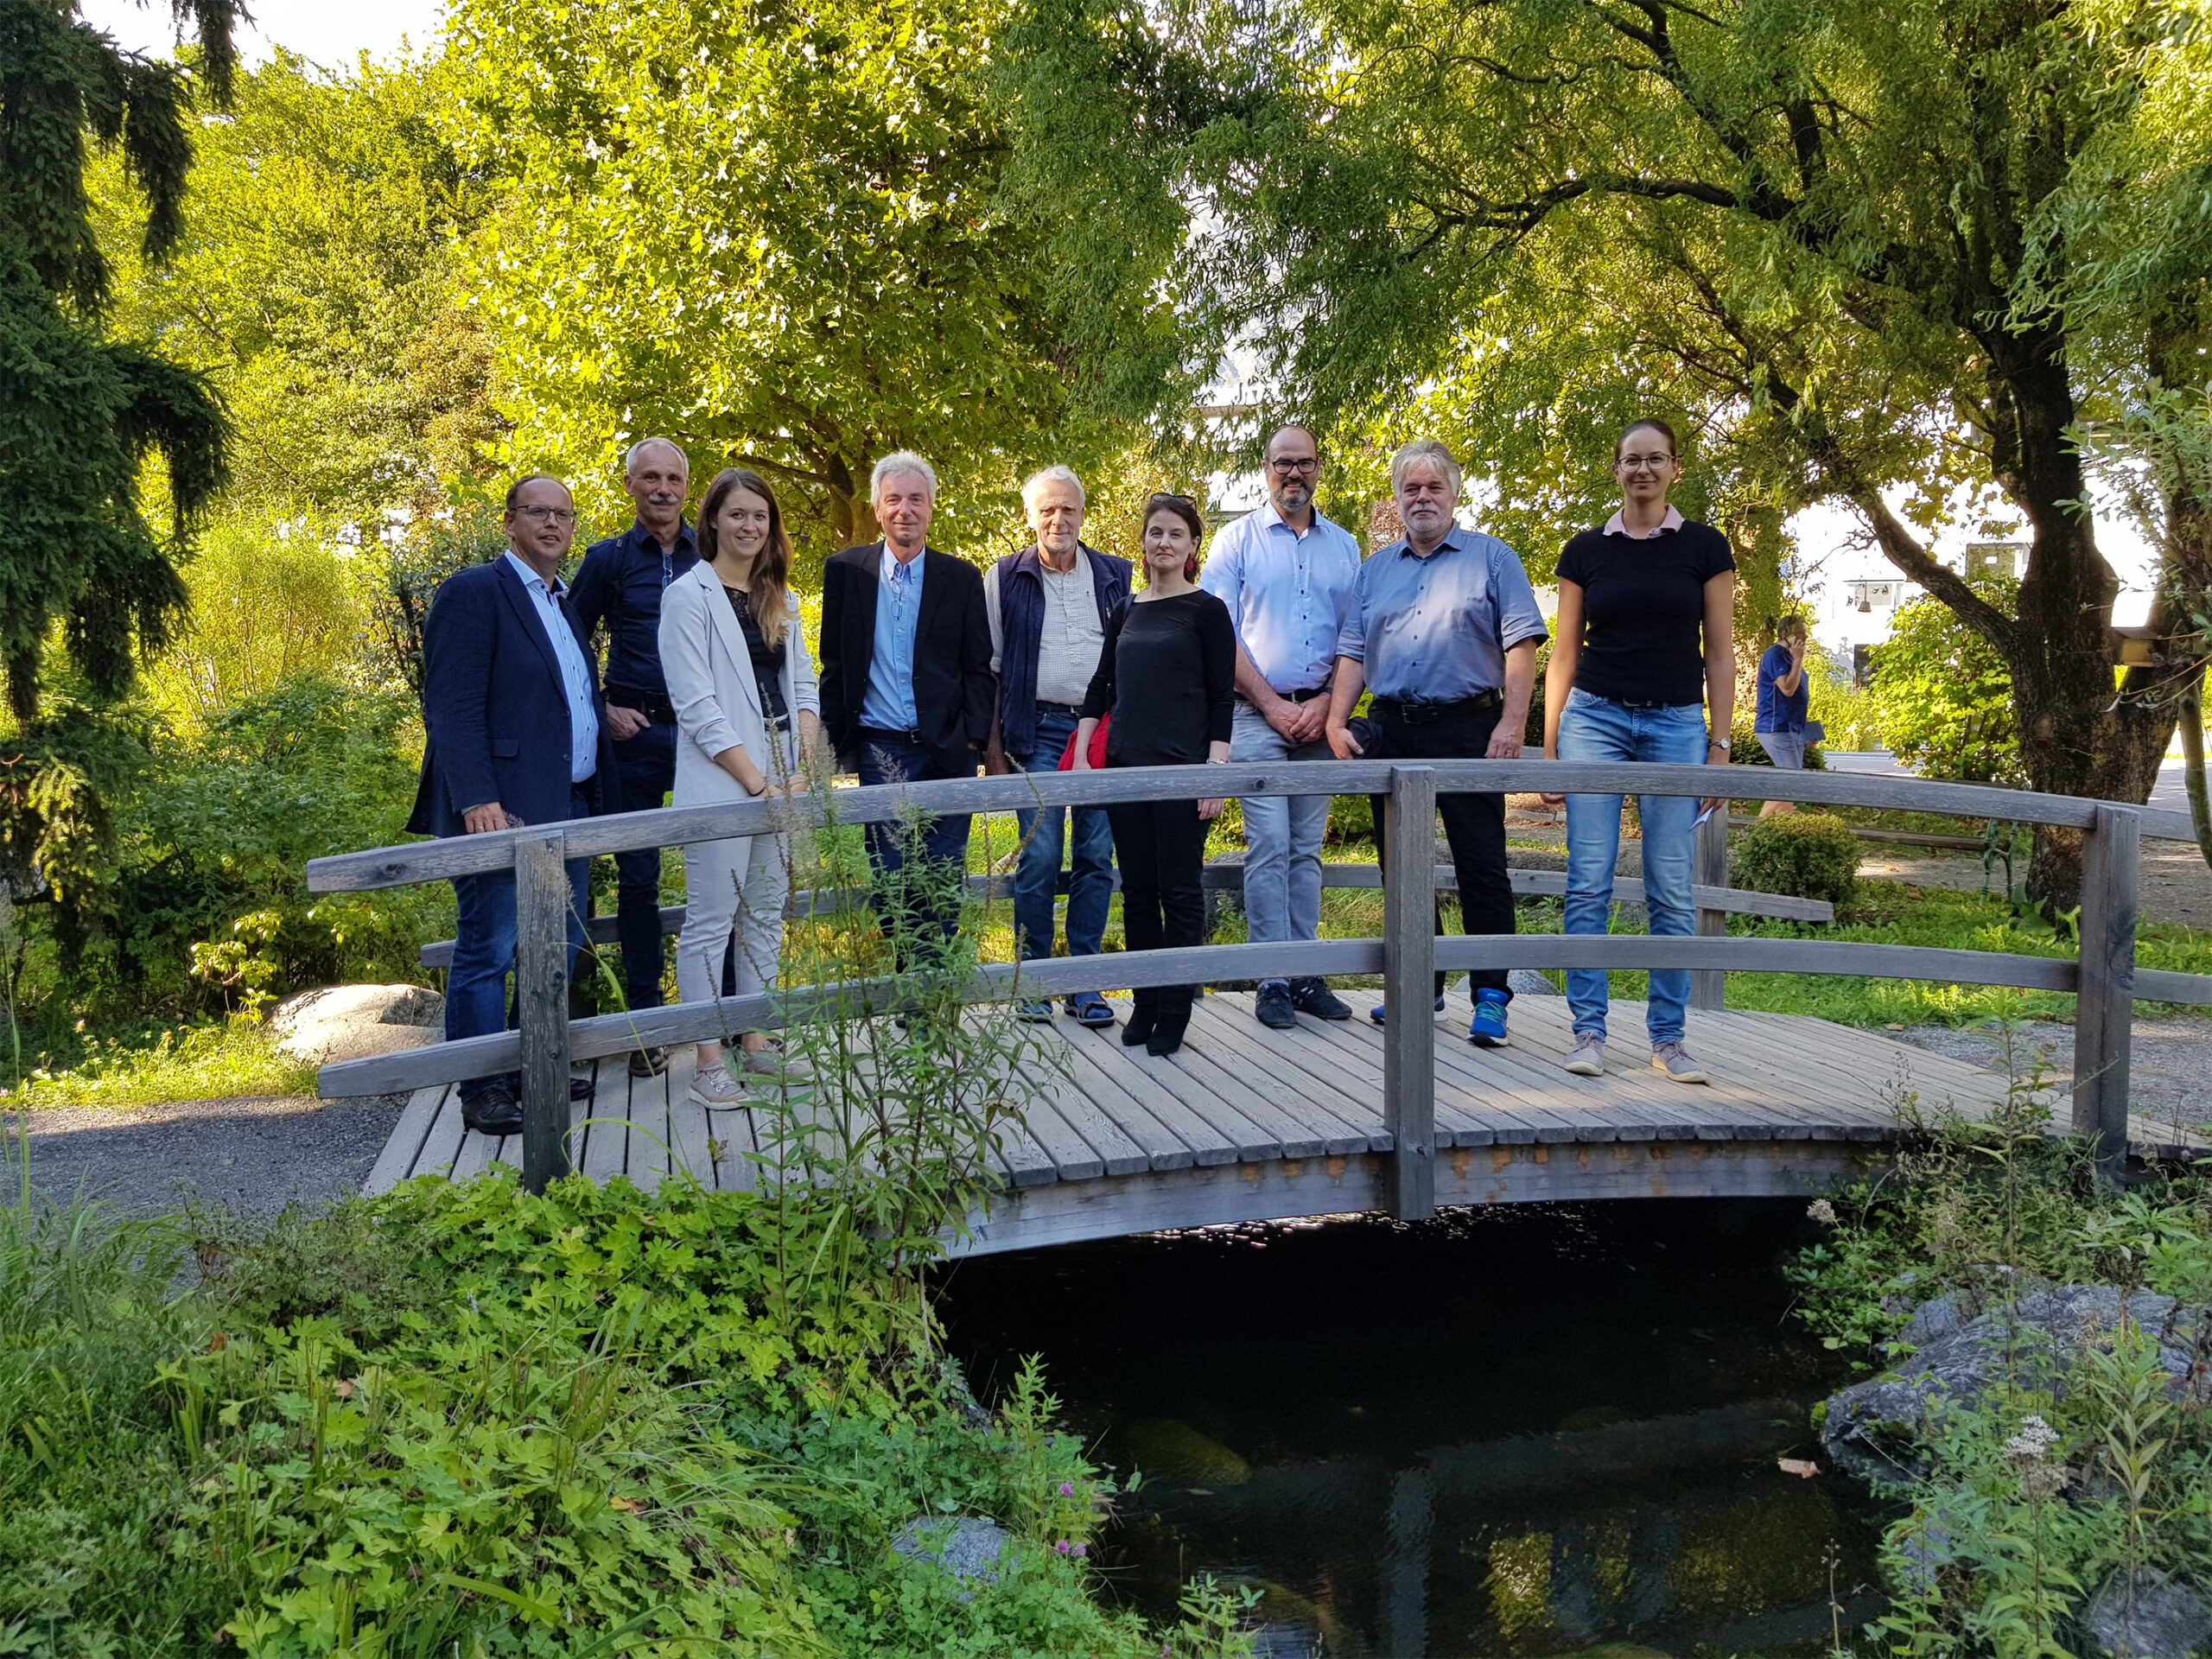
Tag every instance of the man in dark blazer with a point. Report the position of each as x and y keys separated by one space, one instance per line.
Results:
x=906 y=687
x=517 y=736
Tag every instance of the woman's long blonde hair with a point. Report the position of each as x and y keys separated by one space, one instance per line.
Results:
x=770 y=589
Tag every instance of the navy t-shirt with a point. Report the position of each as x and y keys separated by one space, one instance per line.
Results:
x=1643 y=611
x=1780 y=711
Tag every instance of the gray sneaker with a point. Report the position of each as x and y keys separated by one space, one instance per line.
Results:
x=1674 y=1060
x=1588 y=1059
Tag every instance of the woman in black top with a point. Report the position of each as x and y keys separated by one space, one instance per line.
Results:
x=1167 y=676
x=1643 y=652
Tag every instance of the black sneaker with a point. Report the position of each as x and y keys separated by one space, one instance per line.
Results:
x=1275 y=1007
x=1313 y=996
x=648 y=1062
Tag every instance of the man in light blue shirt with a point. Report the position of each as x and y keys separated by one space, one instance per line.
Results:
x=889 y=704
x=1443 y=628
x=1285 y=574
x=575 y=671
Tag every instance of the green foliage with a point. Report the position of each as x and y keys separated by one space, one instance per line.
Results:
x=823 y=185
x=1810 y=854
x=1942 y=697
x=82 y=416
x=2039 y=1489
x=148 y=1062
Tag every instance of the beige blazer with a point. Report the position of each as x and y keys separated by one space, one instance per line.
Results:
x=717 y=699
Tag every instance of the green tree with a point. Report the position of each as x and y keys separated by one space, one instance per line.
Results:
x=1826 y=231
x=1941 y=697
x=81 y=414
x=779 y=233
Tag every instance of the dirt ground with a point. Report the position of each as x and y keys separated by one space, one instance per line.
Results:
x=2175 y=884
x=2170 y=1073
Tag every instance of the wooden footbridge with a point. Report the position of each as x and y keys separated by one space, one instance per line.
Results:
x=1247 y=1124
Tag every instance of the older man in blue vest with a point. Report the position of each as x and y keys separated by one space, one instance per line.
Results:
x=1048 y=606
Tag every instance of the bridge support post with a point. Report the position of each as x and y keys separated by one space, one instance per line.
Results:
x=542 y=900
x=1408 y=849
x=2104 y=1003
x=1709 y=986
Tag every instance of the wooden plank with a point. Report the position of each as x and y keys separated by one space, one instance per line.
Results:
x=443 y=1144
x=2104 y=1005
x=476 y=1153
x=1301 y=1130
x=1205 y=1117
x=1708 y=986
x=1408 y=831
x=1603 y=1109
x=397 y=1161
x=542 y=900
x=1153 y=1119
x=652 y=1151
x=1117 y=1152
x=606 y=1132
x=1261 y=1056
x=1072 y=1157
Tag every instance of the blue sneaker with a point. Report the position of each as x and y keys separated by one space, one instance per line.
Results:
x=1376 y=1012
x=1487 y=1029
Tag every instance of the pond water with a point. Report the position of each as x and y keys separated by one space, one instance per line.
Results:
x=1528 y=1430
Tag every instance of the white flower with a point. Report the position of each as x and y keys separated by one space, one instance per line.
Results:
x=1820 y=1210
x=2035 y=1439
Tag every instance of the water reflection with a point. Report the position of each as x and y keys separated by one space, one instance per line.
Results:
x=1517 y=1432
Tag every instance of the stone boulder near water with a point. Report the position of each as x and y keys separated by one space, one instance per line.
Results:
x=1875 y=1430
x=964 y=1547
x=350 y=1022
x=2163 y=1619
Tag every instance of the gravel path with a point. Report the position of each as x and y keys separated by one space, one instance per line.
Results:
x=254 y=1155
x=2170 y=1070
x=2176 y=887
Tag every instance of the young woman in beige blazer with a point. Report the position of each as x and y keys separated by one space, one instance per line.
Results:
x=748 y=714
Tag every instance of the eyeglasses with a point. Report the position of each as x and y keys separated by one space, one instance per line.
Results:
x=1640 y=463
x=1297 y=464
x=546 y=515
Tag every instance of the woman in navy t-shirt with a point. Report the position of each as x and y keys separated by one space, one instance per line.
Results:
x=1643 y=649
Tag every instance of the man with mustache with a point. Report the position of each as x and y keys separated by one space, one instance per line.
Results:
x=1443 y=628
x=620 y=585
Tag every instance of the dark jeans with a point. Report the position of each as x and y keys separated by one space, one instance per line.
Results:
x=1474 y=825
x=1044 y=837
x=907 y=907
x=1162 y=849
x=645 y=767
x=484 y=954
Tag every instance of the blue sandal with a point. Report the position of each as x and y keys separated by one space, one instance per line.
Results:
x=1090 y=1009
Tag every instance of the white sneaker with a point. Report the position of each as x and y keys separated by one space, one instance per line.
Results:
x=714 y=1086
x=772 y=1063
x=1588 y=1059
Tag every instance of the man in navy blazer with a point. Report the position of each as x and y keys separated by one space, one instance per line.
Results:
x=906 y=687
x=517 y=736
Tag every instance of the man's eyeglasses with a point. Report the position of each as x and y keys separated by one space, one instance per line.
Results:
x=546 y=515
x=1643 y=463
x=1296 y=464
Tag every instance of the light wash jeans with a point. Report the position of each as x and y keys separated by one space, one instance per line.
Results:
x=1282 y=839
x=1596 y=729
x=1037 y=877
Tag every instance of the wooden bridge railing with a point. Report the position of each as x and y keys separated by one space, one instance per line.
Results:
x=2105 y=981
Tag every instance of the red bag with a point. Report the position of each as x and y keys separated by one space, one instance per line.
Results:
x=1097 y=748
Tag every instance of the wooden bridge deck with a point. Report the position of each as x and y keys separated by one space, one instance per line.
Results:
x=1246 y=1124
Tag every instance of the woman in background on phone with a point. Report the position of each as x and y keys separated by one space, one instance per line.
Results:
x=1643 y=657
x=1167 y=677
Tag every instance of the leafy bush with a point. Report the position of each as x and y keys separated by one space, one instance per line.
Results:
x=1809 y=854
x=1942 y=697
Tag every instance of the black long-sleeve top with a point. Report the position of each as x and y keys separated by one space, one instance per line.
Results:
x=1167 y=673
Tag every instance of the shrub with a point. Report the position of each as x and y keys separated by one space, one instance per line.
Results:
x=1809 y=854
x=1942 y=697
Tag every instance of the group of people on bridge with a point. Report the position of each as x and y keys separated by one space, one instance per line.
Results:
x=1055 y=657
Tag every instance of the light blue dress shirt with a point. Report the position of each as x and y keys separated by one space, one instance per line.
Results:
x=1436 y=630
x=575 y=672
x=889 y=705
x=1286 y=594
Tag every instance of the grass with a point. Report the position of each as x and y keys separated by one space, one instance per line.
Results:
x=149 y=1063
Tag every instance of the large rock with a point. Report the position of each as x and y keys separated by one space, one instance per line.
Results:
x=1955 y=1350
x=350 y=1022
x=2163 y=1619
x=965 y=1547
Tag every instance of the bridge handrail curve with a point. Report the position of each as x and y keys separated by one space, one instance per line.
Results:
x=677 y=826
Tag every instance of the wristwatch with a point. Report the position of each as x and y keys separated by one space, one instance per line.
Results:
x=1719 y=743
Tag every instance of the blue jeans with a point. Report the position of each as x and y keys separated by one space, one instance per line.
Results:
x=484 y=955
x=903 y=911
x=1282 y=839
x=1596 y=729
x=1044 y=835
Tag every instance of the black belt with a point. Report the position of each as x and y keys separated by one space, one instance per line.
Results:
x=1425 y=714
x=1074 y=710
x=651 y=705
x=1652 y=708
x=877 y=733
